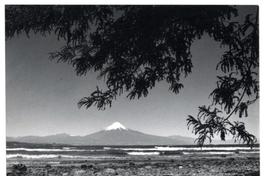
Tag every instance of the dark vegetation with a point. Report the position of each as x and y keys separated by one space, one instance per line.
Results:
x=135 y=47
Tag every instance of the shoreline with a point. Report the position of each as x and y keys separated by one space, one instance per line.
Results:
x=242 y=164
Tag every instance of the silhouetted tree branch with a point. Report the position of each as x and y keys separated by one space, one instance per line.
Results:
x=135 y=47
x=236 y=90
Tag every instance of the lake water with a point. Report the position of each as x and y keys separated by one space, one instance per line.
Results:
x=39 y=151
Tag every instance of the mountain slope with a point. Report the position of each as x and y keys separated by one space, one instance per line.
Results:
x=129 y=137
x=115 y=134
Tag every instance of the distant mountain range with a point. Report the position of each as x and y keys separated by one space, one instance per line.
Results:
x=115 y=134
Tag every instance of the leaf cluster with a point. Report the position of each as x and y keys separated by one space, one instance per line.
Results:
x=207 y=124
x=237 y=86
x=131 y=47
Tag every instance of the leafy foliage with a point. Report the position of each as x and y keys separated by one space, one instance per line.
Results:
x=132 y=47
x=207 y=124
x=236 y=89
x=135 y=47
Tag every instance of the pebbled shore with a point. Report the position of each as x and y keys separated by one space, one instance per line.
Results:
x=235 y=165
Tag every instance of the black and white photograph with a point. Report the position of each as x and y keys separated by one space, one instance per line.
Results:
x=132 y=90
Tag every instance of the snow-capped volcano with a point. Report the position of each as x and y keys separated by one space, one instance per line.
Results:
x=116 y=126
x=115 y=134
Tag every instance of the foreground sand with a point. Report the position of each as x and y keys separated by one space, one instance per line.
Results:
x=247 y=164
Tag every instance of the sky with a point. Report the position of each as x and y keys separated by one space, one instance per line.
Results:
x=42 y=95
